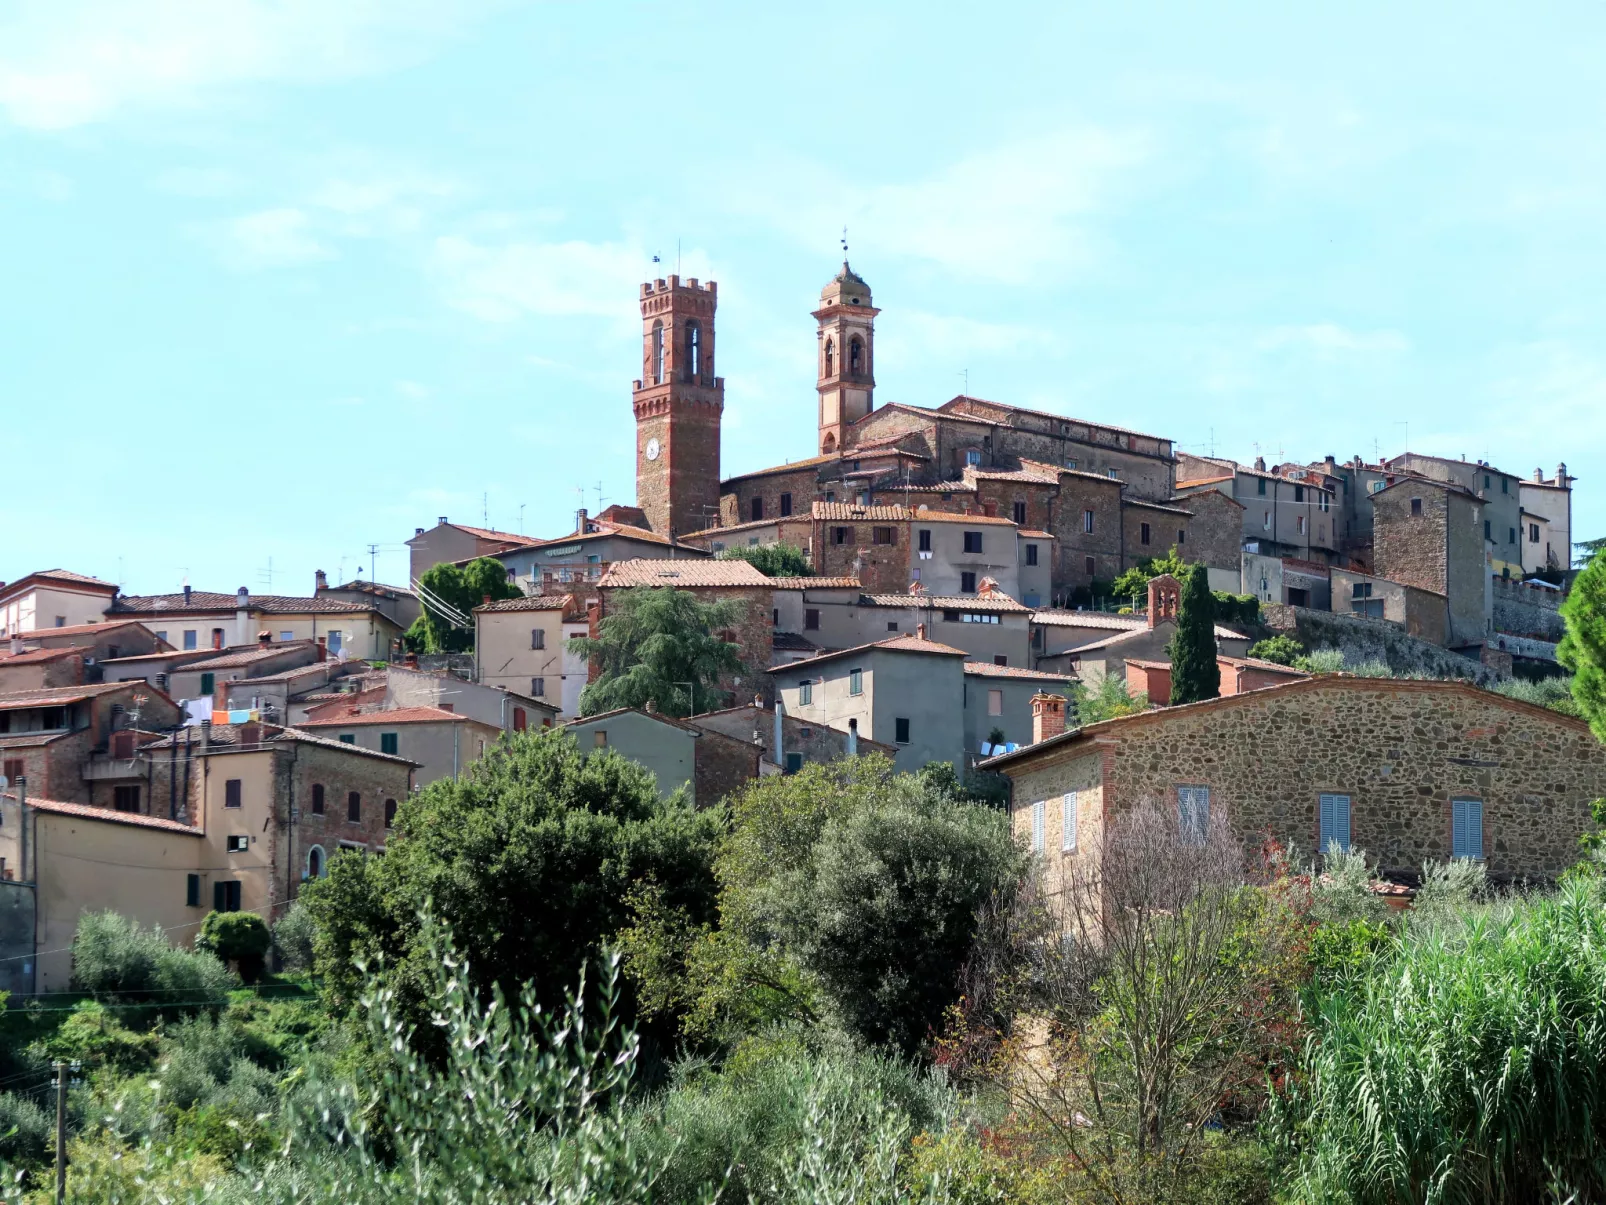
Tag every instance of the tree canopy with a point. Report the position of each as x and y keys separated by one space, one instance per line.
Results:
x=776 y=560
x=659 y=645
x=1134 y=582
x=1583 y=648
x=462 y=590
x=1194 y=672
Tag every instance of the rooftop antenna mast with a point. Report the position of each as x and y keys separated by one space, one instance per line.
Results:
x=265 y=576
x=373 y=562
x=521 y=518
x=844 y=246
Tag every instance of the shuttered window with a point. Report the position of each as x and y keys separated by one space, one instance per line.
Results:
x=1193 y=811
x=1466 y=828
x=1037 y=827
x=1068 y=822
x=1334 y=822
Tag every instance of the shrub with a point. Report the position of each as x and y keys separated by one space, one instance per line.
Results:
x=113 y=956
x=26 y=1130
x=1281 y=649
x=92 y=1036
x=775 y=560
x=1342 y=891
x=1321 y=661
x=294 y=936
x=1236 y=608
x=238 y=937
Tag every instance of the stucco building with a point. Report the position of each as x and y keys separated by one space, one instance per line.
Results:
x=52 y=598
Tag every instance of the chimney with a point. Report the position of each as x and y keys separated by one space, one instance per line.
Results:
x=264 y=639
x=320 y=581
x=186 y=594
x=853 y=738
x=242 y=599
x=206 y=734
x=1260 y=463
x=652 y=706
x=1165 y=596
x=920 y=631
x=1539 y=476
x=1048 y=717
x=441 y=522
x=1561 y=474
x=987 y=585
x=16 y=645
x=580 y=518
x=323 y=648
x=593 y=617
x=418 y=531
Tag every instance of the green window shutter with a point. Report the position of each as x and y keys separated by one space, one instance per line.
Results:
x=348 y=738
x=219 y=896
x=387 y=742
x=208 y=681
x=192 y=891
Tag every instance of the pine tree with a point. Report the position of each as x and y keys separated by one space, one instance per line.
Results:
x=1194 y=673
x=1583 y=648
x=660 y=645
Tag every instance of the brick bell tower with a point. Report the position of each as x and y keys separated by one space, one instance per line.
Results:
x=678 y=403
x=846 y=335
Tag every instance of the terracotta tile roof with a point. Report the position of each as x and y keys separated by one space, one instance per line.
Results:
x=685 y=574
x=647 y=715
x=945 y=602
x=289 y=675
x=59 y=696
x=34 y=656
x=311 y=738
x=1059 y=418
x=1033 y=534
x=1257 y=663
x=897 y=644
x=379 y=589
x=490 y=533
x=815 y=583
x=249 y=655
x=792 y=642
x=158 y=605
x=809 y=463
x=1316 y=683
x=1139 y=502
x=399 y=715
x=756 y=523
x=866 y=514
x=1088 y=619
x=1184 y=485
x=63 y=577
x=30 y=740
x=80 y=629
x=180 y=655
x=986 y=669
x=531 y=602
x=947 y=516
x=1141 y=629
x=84 y=812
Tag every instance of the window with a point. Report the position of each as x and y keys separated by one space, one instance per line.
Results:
x=1031 y=554
x=316 y=862
x=237 y=843
x=1299 y=493
x=1193 y=813
x=1416 y=506
x=226 y=895
x=1376 y=487
x=830 y=358
x=1182 y=536
x=805 y=694
x=217 y=638
x=1143 y=533
x=1486 y=526
x=1486 y=482
x=1511 y=535
x=694 y=350
x=1260 y=486
x=189 y=639
x=967 y=583
x=231 y=793
x=973 y=458
x=950 y=617
x=1466 y=828
x=658 y=353
x=786 y=505
x=1000 y=659
x=925 y=541
x=13 y=768
x=350 y=738
x=521 y=719
x=1087 y=524
x=855 y=681
x=1299 y=523
x=125 y=799
x=855 y=357
x=390 y=813
x=995 y=702
x=1020 y=512
x=1068 y=822
x=811 y=619
x=336 y=640
x=892 y=627
x=1326 y=501
x=1361 y=590
x=353 y=807
x=901 y=730
x=973 y=541
x=538 y=638
x=1089 y=566
x=389 y=742
x=1334 y=822
x=1111 y=474
x=538 y=688
x=317 y=799
x=756 y=509
x=599 y=739
x=1533 y=533
x=842 y=535
x=1037 y=827
x=208 y=682
x=794 y=763
x=192 y=891
x=1070 y=464
x=881 y=535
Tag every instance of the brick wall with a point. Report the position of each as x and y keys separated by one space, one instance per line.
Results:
x=880 y=568
x=1079 y=494
x=1215 y=533
x=736 y=500
x=723 y=765
x=1164 y=532
x=1401 y=750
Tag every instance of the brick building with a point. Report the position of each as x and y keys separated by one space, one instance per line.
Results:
x=1429 y=534
x=1409 y=771
x=678 y=403
x=61 y=739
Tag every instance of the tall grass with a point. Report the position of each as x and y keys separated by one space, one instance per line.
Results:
x=1470 y=1067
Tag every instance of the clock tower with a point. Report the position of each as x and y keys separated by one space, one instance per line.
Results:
x=678 y=403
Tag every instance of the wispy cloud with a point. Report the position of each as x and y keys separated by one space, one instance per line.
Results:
x=1012 y=213
x=271 y=238
x=65 y=63
x=502 y=282
x=1329 y=338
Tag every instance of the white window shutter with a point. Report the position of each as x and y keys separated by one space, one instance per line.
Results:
x=1037 y=827
x=1068 y=823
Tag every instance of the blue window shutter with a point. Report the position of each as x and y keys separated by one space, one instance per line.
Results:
x=1327 y=835
x=1466 y=828
x=1341 y=820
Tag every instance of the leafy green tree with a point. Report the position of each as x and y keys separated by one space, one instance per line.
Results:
x=1110 y=701
x=242 y=938
x=776 y=560
x=1583 y=648
x=658 y=645
x=1280 y=649
x=1589 y=549
x=529 y=858
x=1134 y=582
x=462 y=590
x=1194 y=672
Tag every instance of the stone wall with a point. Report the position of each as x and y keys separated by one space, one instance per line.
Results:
x=723 y=765
x=1362 y=639
x=1521 y=610
x=1215 y=534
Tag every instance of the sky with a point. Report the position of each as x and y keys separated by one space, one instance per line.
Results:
x=285 y=279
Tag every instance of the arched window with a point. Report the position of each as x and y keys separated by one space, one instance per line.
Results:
x=830 y=358
x=694 y=351
x=657 y=353
x=855 y=357
x=316 y=862
x=830 y=443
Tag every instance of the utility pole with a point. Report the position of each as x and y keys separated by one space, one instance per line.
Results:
x=61 y=1129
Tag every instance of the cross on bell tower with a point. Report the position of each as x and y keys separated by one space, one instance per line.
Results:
x=846 y=335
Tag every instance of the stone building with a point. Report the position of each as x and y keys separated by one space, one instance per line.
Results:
x=1500 y=493
x=1409 y=771
x=1430 y=534
x=1289 y=512
x=457 y=543
x=678 y=403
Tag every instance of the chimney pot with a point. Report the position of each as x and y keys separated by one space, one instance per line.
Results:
x=16 y=645
x=323 y=648
x=920 y=631
x=580 y=519
x=1048 y=717
x=320 y=580
x=652 y=706
x=242 y=598
x=186 y=594
x=441 y=522
x=264 y=638
x=418 y=531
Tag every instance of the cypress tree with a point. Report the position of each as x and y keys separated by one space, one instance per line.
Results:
x=1583 y=648
x=1194 y=673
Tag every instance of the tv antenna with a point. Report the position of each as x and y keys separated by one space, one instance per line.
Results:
x=265 y=576
x=844 y=246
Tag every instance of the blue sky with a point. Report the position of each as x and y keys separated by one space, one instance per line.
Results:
x=289 y=278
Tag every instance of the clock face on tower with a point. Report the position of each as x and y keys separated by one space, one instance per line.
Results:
x=652 y=449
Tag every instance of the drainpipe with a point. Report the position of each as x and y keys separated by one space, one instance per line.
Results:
x=780 y=733
x=456 y=730
x=853 y=738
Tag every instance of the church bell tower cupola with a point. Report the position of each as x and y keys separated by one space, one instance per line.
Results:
x=846 y=335
x=678 y=403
